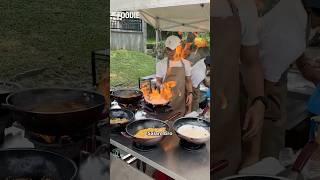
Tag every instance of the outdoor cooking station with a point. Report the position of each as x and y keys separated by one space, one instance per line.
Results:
x=172 y=156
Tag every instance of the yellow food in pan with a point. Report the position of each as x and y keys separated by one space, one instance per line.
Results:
x=118 y=120
x=150 y=133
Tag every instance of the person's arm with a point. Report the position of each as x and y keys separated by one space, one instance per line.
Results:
x=188 y=77
x=189 y=94
x=206 y=82
x=253 y=79
x=188 y=84
x=252 y=72
x=310 y=70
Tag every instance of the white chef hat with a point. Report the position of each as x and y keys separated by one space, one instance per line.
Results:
x=172 y=42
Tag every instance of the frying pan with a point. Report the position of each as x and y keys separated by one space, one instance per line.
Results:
x=193 y=122
x=133 y=127
x=127 y=96
x=121 y=113
x=56 y=111
x=35 y=164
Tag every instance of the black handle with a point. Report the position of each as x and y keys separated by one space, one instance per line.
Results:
x=126 y=135
x=219 y=165
x=9 y=107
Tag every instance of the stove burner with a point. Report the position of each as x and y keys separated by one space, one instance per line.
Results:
x=190 y=146
x=143 y=148
x=132 y=107
x=65 y=145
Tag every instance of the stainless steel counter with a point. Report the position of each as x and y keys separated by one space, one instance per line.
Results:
x=170 y=158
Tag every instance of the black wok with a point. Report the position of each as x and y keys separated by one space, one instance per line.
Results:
x=35 y=164
x=194 y=122
x=120 y=113
x=133 y=127
x=56 y=111
x=126 y=96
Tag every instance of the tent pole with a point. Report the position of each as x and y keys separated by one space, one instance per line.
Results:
x=157 y=40
x=157 y=37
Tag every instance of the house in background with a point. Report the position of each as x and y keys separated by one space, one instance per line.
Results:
x=128 y=31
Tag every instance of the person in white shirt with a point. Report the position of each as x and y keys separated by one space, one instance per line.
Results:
x=310 y=68
x=178 y=70
x=198 y=76
x=234 y=21
x=283 y=32
x=283 y=25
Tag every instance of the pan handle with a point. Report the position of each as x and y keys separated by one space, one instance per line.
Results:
x=9 y=107
x=125 y=134
x=173 y=116
x=218 y=166
x=304 y=156
x=204 y=111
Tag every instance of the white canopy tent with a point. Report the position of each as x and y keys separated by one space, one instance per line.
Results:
x=169 y=15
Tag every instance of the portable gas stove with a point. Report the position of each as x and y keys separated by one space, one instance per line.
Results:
x=143 y=148
x=131 y=107
x=68 y=146
x=191 y=146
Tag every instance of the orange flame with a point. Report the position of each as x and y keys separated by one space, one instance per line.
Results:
x=182 y=52
x=159 y=97
x=200 y=42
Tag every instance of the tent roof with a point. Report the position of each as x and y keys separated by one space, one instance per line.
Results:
x=170 y=15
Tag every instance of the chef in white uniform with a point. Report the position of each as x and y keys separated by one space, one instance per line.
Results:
x=199 y=72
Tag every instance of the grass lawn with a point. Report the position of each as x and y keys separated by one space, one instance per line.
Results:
x=151 y=41
x=127 y=67
x=57 y=35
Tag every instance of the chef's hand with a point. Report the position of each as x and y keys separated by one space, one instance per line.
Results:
x=310 y=69
x=254 y=120
x=189 y=99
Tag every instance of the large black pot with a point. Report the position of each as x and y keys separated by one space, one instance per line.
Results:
x=56 y=111
x=35 y=164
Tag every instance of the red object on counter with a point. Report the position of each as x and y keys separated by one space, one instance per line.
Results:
x=158 y=175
